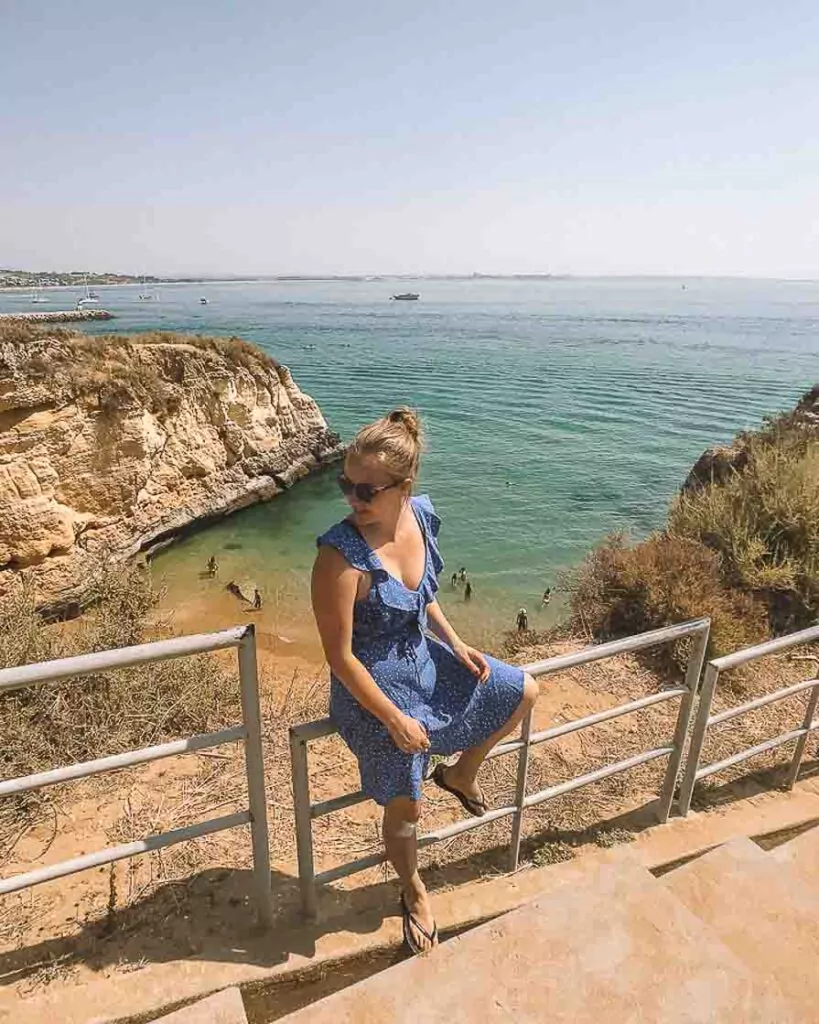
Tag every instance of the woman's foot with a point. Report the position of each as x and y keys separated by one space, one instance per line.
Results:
x=464 y=787
x=418 y=918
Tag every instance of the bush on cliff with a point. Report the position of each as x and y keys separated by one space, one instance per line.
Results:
x=741 y=547
x=620 y=590
x=763 y=522
x=108 y=712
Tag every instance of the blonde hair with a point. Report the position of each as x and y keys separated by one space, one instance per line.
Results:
x=396 y=440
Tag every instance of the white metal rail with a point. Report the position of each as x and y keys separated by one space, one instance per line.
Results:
x=243 y=639
x=693 y=771
x=301 y=735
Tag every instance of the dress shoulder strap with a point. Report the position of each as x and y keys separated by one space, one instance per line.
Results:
x=423 y=505
x=345 y=538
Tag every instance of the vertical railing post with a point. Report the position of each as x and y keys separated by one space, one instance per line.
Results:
x=254 y=765
x=696 y=657
x=520 y=790
x=709 y=687
x=807 y=721
x=304 y=823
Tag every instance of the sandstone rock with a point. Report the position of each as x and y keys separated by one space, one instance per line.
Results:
x=110 y=446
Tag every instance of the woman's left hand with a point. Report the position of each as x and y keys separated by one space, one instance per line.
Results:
x=473 y=659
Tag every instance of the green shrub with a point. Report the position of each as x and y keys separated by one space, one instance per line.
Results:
x=763 y=522
x=741 y=548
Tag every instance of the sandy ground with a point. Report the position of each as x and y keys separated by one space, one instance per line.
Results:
x=193 y=899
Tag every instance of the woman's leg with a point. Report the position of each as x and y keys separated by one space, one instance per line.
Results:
x=400 y=819
x=462 y=774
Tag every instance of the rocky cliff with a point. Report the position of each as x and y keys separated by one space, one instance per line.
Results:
x=716 y=464
x=109 y=446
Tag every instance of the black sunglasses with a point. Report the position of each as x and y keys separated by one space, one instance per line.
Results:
x=363 y=492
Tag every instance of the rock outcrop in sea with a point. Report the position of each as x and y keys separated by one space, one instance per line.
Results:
x=111 y=446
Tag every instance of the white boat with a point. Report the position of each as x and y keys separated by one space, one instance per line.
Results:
x=37 y=294
x=89 y=299
x=146 y=295
x=203 y=301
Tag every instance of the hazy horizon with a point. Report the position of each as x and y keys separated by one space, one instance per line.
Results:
x=525 y=138
x=227 y=277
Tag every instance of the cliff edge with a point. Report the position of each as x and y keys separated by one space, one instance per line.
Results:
x=111 y=445
x=717 y=464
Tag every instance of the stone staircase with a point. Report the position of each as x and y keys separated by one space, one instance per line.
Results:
x=730 y=936
x=224 y=1007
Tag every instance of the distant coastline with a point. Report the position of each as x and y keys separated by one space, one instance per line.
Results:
x=12 y=280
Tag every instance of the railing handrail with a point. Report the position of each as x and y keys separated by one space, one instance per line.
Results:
x=121 y=657
x=781 y=643
x=301 y=735
x=240 y=637
x=694 y=770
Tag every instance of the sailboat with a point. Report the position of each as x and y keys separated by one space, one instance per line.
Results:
x=145 y=295
x=89 y=299
x=37 y=294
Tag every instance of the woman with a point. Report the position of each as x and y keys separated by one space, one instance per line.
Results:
x=399 y=694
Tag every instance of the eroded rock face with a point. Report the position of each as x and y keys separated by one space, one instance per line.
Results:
x=110 y=446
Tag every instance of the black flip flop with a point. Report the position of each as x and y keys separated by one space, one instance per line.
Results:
x=410 y=922
x=475 y=807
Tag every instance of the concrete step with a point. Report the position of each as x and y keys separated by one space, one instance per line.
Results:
x=225 y=1007
x=611 y=944
x=762 y=910
x=802 y=856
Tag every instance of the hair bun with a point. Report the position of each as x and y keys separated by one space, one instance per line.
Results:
x=409 y=420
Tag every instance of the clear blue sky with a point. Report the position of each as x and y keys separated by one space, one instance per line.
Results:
x=581 y=137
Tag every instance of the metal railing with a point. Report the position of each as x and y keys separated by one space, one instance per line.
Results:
x=243 y=639
x=693 y=772
x=301 y=735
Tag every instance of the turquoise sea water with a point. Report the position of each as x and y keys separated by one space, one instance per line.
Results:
x=557 y=411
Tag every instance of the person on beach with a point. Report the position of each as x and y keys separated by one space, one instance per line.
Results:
x=404 y=685
x=257 y=599
x=213 y=566
x=522 y=621
x=468 y=591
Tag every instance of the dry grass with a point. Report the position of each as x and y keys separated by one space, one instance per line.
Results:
x=115 y=372
x=620 y=590
x=107 y=712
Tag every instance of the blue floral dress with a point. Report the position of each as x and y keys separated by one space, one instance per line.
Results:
x=418 y=672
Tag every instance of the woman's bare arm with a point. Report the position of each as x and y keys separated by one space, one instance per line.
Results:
x=441 y=626
x=470 y=656
x=334 y=590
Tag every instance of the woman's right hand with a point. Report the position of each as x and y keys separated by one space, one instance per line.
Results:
x=408 y=734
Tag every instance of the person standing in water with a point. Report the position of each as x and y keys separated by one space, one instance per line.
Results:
x=547 y=597
x=468 y=591
x=522 y=621
x=404 y=684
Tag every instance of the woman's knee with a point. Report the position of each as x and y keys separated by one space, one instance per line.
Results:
x=401 y=810
x=531 y=690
